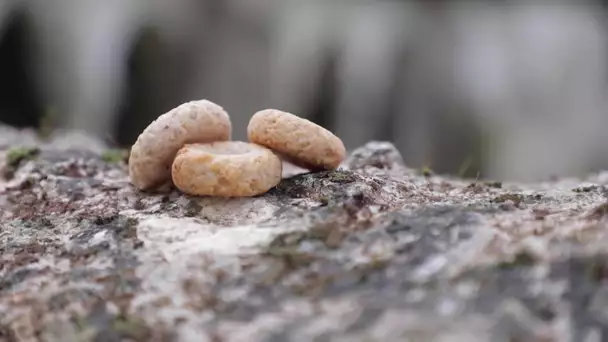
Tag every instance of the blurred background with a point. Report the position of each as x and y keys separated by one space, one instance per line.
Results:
x=508 y=90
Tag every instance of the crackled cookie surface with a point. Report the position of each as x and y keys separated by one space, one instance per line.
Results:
x=297 y=140
x=226 y=169
x=192 y=122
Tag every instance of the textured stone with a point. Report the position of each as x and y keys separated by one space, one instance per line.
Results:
x=373 y=251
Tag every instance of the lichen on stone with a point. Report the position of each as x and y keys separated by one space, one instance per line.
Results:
x=327 y=187
x=115 y=156
x=15 y=155
x=372 y=251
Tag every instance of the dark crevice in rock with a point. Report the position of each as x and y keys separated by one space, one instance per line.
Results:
x=325 y=185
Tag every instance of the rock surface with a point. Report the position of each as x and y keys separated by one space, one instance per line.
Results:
x=374 y=251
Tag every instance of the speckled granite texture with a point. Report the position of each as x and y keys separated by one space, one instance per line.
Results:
x=374 y=251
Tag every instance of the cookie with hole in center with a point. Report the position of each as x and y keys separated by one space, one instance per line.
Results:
x=297 y=140
x=152 y=154
x=226 y=169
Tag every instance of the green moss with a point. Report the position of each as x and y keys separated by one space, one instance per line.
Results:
x=114 y=156
x=426 y=171
x=16 y=155
x=340 y=177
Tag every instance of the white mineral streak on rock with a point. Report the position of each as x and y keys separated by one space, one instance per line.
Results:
x=62 y=252
x=177 y=238
x=181 y=249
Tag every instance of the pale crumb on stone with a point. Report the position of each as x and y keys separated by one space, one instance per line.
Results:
x=290 y=170
x=297 y=140
x=152 y=154
x=226 y=169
